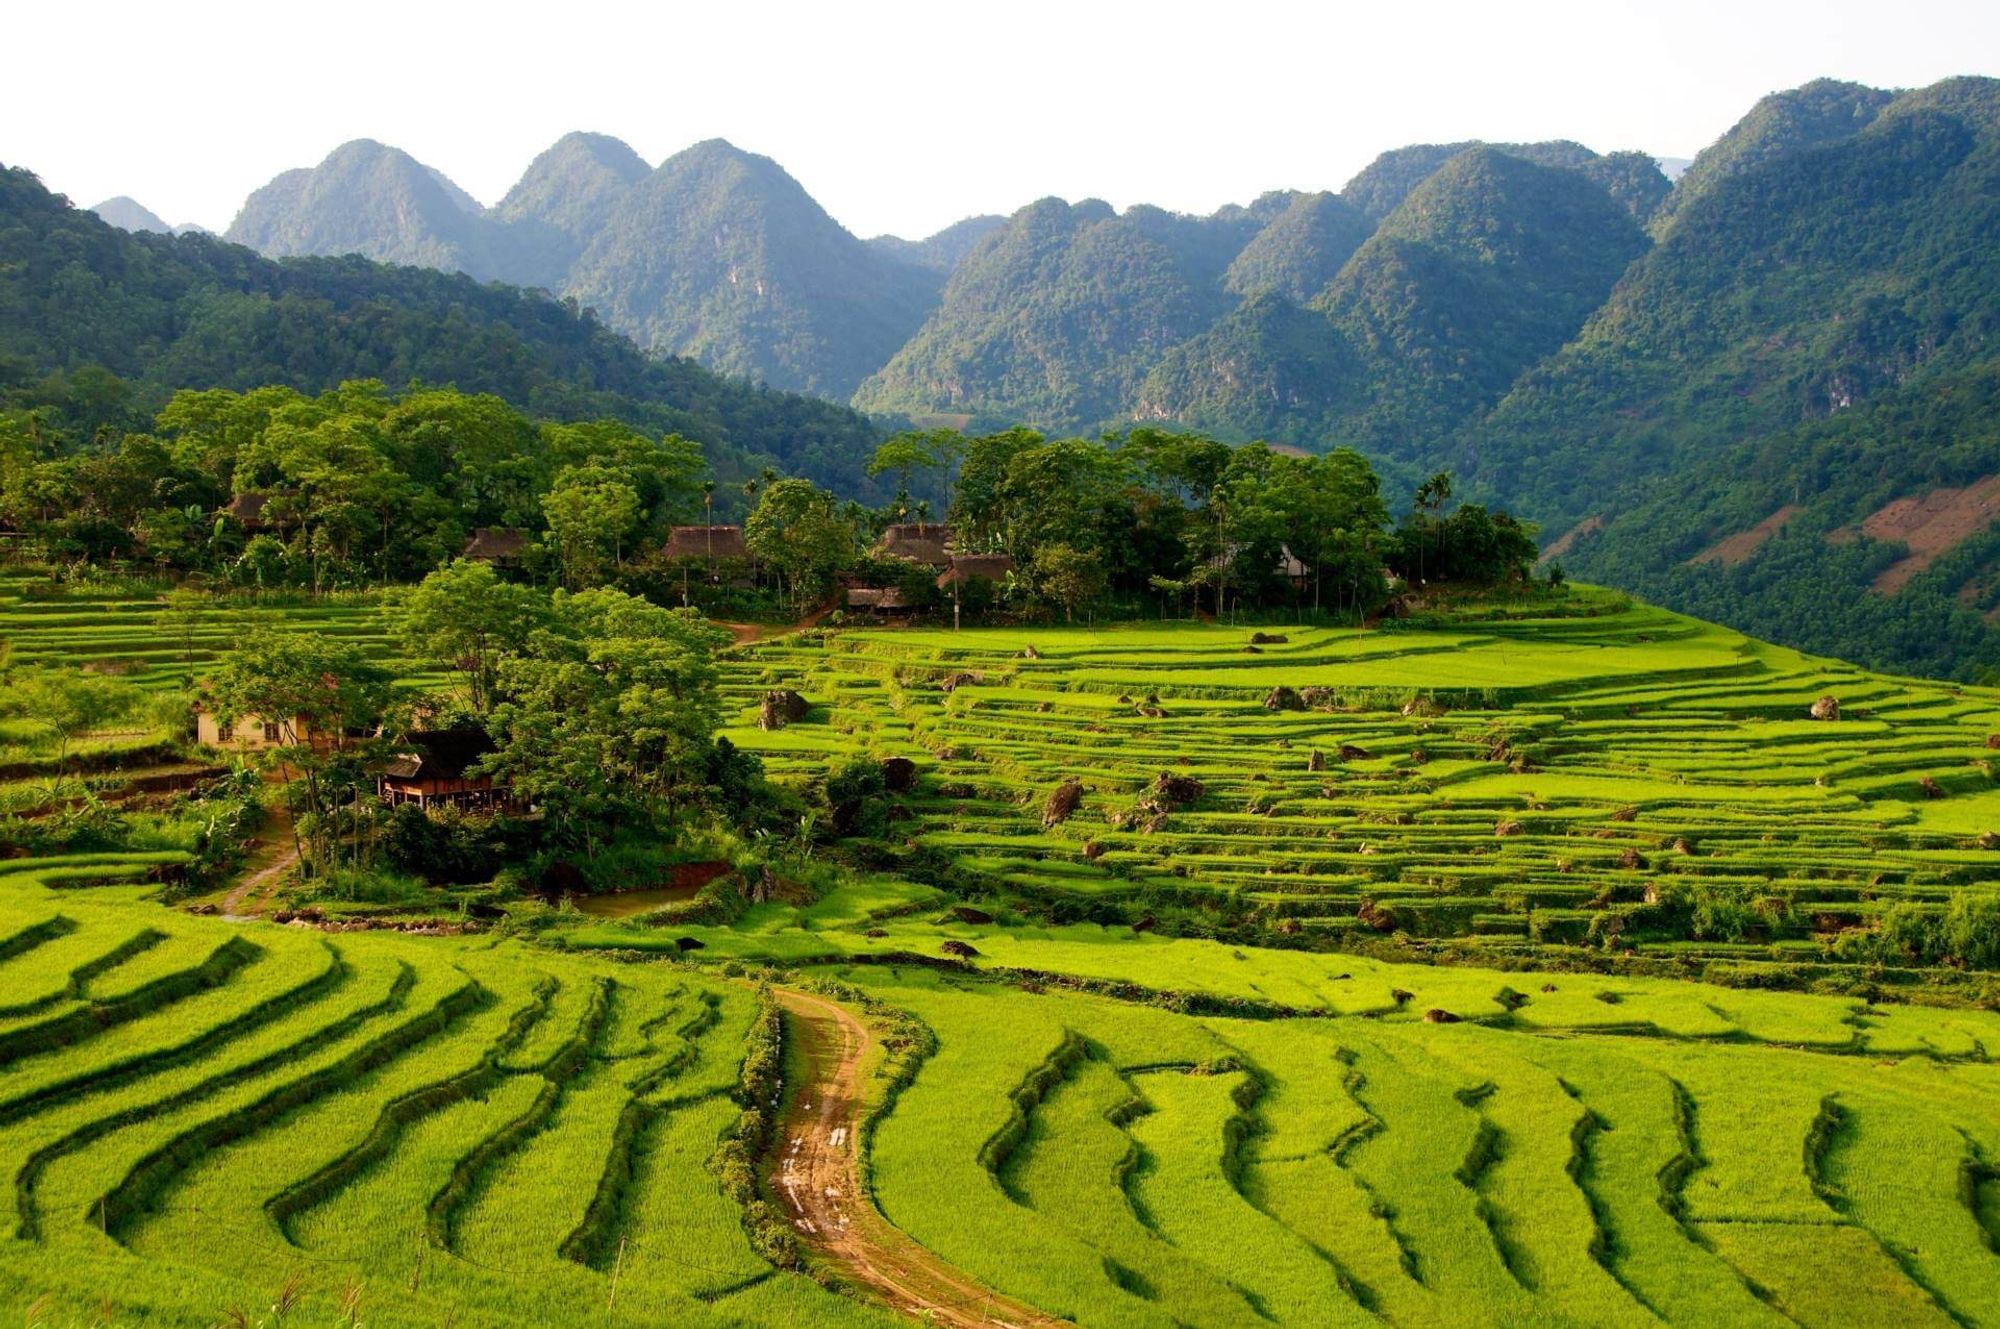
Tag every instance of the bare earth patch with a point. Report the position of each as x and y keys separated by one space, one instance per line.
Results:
x=1734 y=549
x=1563 y=543
x=1931 y=526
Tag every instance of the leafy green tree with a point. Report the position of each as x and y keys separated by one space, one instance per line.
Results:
x=797 y=530
x=318 y=692
x=68 y=705
x=608 y=714
x=466 y=617
x=1069 y=576
x=591 y=513
x=905 y=454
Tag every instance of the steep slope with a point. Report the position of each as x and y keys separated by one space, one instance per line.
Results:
x=1790 y=289
x=1489 y=264
x=1300 y=251
x=944 y=251
x=720 y=255
x=191 y=311
x=562 y=201
x=368 y=199
x=1057 y=316
x=128 y=214
x=1384 y=183
x=1823 y=111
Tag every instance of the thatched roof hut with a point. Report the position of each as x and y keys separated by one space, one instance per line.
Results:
x=926 y=543
x=496 y=544
x=706 y=542
x=975 y=567
x=881 y=599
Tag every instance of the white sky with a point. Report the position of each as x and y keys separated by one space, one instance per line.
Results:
x=904 y=117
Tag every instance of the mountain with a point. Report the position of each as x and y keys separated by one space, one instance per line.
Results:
x=79 y=297
x=1785 y=414
x=720 y=255
x=128 y=214
x=372 y=200
x=1488 y=264
x=562 y=201
x=945 y=250
x=1299 y=250
x=1057 y=316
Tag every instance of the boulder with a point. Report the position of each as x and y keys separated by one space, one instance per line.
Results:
x=1931 y=788
x=1507 y=829
x=1989 y=840
x=1062 y=803
x=966 y=913
x=899 y=774
x=1030 y=653
x=962 y=949
x=1437 y=1015
x=780 y=707
x=1348 y=752
x=1177 y=789
x=1317 y=761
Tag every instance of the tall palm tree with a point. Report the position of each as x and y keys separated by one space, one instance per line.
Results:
x=708 y=503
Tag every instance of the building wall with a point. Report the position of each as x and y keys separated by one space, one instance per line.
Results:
x=250 y=733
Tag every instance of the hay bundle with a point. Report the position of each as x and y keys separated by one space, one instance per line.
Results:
x=953 y=682
x=1268 y=639
x=1177 y=789
x=1508 y=829
x=1061 y=803
x=1030 y=653
x=1632 y=860
x=1152 y=713
x=1437 y=1015
x=1400 y=997
x=1044 y=707
x=1625 y=814
x=966 y=913
x=780 y=707
x=899 y=774
x=1826 y=708
x=1931 y=788
x=963 y=950
x=1425 y=707
x=1316 y=696
x=1282 y=698
x=1253 y=650
x=1349 y=752
x=1375 y=916
x=1092 y=850
x=1419 y=756
x=1993 y=740
x=1317 y=761
x=1989 y=840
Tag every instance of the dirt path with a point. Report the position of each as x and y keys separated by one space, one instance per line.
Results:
x=819 y=1178
x=251 y=897
x=742 y=634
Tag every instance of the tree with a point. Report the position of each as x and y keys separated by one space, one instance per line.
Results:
x=911 y=451
x=590 y=511
x=467 y=618
x=796 y=529
x=68 y=704
x=186 y=616
x=1068 y=576
x=609 y=715
x=317 y=692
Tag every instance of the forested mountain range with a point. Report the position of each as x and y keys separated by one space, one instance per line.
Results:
x=1653 y=367
x=98 y=326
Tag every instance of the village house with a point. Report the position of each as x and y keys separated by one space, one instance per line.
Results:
x=882 y=601
x=432 y=768
x=925 y=543
x=707 y=542
x=248 y=511
x=251 y=733
x=974 y=567
x=501 y=546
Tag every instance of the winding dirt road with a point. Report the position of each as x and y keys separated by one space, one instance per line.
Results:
x=819 y=1179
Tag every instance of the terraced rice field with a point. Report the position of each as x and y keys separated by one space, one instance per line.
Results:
x=195 y=1118
x=1522 y=781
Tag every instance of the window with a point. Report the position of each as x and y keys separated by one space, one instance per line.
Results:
x=270 y=732
x=225 y=731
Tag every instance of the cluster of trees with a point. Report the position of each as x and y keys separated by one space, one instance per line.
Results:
x=601 y=708
x=135 y=317
x=361 y=486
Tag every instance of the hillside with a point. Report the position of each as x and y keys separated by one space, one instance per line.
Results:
x=718 y=255
x=167 y=312
x=1489 y=264
x=721 y=256
x=128 y=214
x=1057 y=317
x=1651 y=906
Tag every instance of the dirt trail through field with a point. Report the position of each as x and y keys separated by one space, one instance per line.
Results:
x=819 y=1179
x=251 y=897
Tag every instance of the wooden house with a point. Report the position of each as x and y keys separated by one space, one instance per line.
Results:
x=884 y=601
x=432 y=768
x=975 y=567
x=707 y=542
x=248 y=510
x=925 y=543
x=502 y=546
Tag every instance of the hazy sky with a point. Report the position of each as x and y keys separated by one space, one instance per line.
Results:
x=905 y=117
